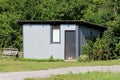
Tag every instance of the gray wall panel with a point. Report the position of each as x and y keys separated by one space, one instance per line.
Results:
x=84 y=34
x=37 y=40
x=37 y=44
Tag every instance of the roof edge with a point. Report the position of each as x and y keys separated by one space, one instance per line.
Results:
x=87 y=24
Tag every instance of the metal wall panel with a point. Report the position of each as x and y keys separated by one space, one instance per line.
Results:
x=84 y=34
x=37 y=41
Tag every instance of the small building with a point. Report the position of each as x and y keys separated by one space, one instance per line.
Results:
x=61 y=39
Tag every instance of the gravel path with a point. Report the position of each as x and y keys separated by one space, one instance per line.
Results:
x=49 y=72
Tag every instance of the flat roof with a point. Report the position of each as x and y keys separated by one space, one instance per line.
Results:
x=55 y=22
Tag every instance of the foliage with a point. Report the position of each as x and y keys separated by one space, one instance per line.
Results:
x=104 y=12
x=40 y=60
x=117 y=49
x=83 y=76
x=51 y=59
x=83 y=58
x=104 y=48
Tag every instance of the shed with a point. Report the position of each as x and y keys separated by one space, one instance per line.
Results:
x=61 y=39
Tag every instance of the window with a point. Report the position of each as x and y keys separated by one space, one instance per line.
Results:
x=55 y=34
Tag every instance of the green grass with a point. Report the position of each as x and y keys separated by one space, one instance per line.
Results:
x=11 y=65
x=83 y=76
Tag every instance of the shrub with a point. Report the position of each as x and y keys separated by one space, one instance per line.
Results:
x=0 y=51
x=97 y=50
x=104 y=48
x=117 y=49
x=51 y=59
x=83 y=58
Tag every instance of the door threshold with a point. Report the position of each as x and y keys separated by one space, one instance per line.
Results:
x=70 y=60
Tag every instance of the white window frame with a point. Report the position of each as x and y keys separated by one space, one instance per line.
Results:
x=55 y=34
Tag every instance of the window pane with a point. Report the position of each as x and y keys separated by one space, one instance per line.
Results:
x=56 y=35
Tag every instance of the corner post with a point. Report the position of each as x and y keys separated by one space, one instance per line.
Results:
x=77 y=41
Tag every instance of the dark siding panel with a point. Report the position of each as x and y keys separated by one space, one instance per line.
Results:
x=84 y=34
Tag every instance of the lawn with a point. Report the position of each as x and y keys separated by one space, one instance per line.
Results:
x=11 y=65
x=83 y=76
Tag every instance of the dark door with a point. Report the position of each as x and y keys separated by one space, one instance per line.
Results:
x=70 y=47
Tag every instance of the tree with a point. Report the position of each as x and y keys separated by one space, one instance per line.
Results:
x=104 y=12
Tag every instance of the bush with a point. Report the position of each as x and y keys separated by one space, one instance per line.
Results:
x=104 y=48
x=0 y=52
x=97 y=50
x=83 y=58
x=51 y=59
x=117 y=49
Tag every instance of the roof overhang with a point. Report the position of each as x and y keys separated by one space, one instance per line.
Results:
x=54 y=22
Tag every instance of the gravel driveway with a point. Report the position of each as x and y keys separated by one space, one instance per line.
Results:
x=49 y=72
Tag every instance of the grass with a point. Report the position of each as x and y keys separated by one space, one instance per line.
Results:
x=83 y=76
x=11 y=65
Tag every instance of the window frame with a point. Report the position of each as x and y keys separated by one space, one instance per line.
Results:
x=55 y=27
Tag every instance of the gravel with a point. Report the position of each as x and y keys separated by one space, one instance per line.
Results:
x=49 y=72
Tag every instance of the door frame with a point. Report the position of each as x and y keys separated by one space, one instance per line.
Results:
x=65 y=42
